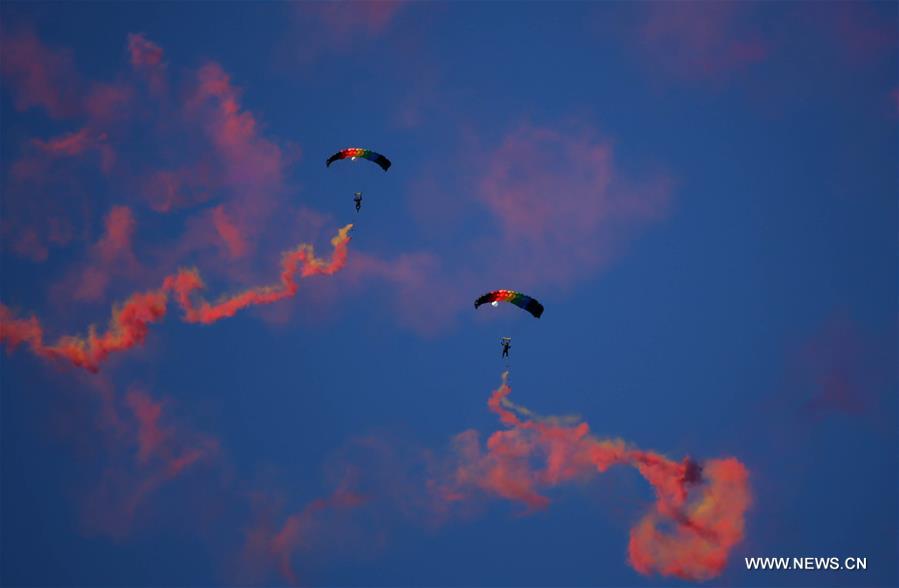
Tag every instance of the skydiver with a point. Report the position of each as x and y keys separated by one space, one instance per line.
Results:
x=358 y=200
x=506 y=342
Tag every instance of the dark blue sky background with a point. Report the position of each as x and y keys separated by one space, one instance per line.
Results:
x=704 y=197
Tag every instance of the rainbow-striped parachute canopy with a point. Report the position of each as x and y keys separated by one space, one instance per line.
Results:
x=354 y=152
x=517 y=298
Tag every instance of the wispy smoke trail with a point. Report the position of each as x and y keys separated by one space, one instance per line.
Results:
x=300 y=524
x=131 y=321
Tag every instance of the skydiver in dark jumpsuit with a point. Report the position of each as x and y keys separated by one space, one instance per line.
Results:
x=358 y=200
x=506 y=342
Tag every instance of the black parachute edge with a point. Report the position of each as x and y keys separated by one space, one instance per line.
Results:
x=535 y=308
x=482 y=299
x=383 y=162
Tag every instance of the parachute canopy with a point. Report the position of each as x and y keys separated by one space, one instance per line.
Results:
x=517 y=298
x=354 y=152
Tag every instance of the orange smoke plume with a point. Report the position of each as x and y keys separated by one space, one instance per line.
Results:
x=131 y=321
x=300 y=262
x=698 y=514
x=705 y=531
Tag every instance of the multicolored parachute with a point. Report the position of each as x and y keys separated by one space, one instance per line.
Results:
x=354 y=152
x=517 y=298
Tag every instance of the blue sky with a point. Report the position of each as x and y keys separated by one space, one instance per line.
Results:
x=703 y=196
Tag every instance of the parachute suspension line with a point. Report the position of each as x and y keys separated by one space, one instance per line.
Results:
x=363 y=184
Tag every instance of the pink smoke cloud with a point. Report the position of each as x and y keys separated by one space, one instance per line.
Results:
x=147 y=413
x=250 y=167
x=69 y=144
x=251 y=159
x=230 y=234
x=39 y=76
x=328 y=27
x=863 y=34
x=110 y=257
x=146 y=450
x=407 y=277
x=33 y=225
x=116 y=240
x=168 y=190
x=147 y=59
x=700 y=41
x=369 y=18
x=45 y=156
x=562 y=207
x=144 y=53
x=29 y=245
x=107 y=102
x=300 y=528
x=343 y=21
x=840 y=371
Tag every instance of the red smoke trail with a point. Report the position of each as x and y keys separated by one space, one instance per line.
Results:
x=131 y=321
x=698 y=514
